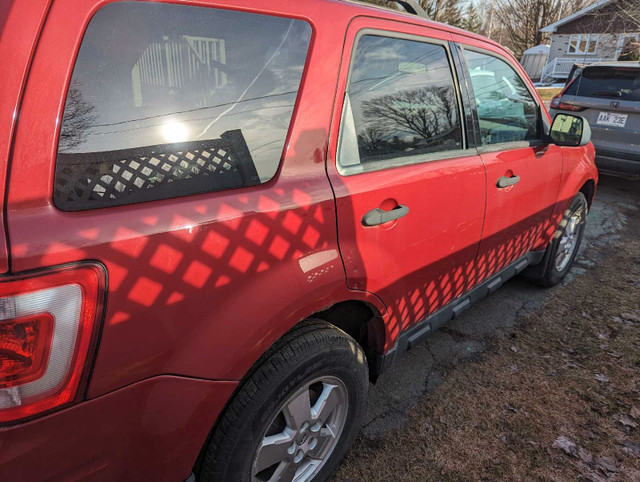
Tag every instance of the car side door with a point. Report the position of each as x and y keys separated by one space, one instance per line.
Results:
x=408 y=182
x=523 y=169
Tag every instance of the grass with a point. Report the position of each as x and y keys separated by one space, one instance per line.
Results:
x=548 y=93
x=498 y=417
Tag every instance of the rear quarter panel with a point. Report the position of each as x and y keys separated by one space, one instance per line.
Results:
x=199 y=285
x=20 y=24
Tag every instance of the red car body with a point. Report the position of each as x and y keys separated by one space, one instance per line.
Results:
x=199 y=287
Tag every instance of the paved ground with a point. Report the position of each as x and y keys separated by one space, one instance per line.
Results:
x=422 y=369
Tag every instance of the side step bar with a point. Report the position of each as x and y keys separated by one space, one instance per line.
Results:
x=417 y=333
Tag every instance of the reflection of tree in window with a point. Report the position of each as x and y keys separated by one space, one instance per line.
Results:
x=401 y=99
x=371 y=138
x=416 y=118
x=79 y=116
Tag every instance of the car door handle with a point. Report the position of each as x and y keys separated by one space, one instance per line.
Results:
x=505 y=181
x=380 y=216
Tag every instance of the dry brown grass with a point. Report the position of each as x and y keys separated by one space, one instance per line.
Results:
x=548 y=93
x=498 y=417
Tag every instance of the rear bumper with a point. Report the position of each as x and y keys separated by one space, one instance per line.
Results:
x=618 y=162
x=151 y=430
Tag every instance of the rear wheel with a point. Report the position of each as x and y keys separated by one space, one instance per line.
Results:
x=296 y=415
x=564 y=247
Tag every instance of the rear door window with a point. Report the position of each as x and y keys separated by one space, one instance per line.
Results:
x=401 y=105
x=607 y=82
x=171 y=100
x=506 y=109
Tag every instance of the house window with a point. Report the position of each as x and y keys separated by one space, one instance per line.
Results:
x=585 y=44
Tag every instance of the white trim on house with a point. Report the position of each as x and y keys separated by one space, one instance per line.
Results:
x=590 y=46
x=559 y=67
x=554 y=26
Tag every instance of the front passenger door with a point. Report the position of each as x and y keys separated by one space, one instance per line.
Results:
x=409 y=189
x=523 y=171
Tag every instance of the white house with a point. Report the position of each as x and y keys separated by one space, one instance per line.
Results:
x=599 y=32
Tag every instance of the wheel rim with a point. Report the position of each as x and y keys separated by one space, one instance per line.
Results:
x=304 y=432
x=568 y=241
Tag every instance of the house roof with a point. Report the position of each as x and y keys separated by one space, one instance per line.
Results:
x=538 y=49
x=554 y=26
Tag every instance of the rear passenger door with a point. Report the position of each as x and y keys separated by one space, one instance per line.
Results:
x=523 y=170
x=409 y=186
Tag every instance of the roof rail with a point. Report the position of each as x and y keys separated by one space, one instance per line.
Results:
x=413 y=7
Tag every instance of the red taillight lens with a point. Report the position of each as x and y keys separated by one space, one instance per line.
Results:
x=48 y=324
x=556 y=103
x=24 y=349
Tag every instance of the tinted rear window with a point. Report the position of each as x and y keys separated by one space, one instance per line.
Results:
x=171 y=100
x=606 y=82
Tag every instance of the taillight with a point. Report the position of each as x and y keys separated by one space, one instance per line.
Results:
x=24 y=349
x=48 y=325
x=556 y=103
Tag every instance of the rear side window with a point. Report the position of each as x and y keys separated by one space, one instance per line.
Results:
x=506 y=109
x=607 y=82
x=400 y=103
x=172 y=100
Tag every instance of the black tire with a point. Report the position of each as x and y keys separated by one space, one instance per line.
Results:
x=547 y=273
x=313 y=349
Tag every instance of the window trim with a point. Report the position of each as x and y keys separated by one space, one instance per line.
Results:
x=588 y=37
x=503 y=146
x=468 y=104
x=353 y=169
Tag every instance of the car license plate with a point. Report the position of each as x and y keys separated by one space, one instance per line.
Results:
x=612 y=119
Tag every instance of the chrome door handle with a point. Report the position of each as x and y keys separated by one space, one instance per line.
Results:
x=380 y=216
x=505 y=181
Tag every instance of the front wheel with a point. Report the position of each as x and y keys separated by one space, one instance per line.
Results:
x=296 y=415
x=564 y=247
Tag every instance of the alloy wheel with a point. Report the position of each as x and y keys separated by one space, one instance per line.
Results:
x=568 y=241
x=304 y=432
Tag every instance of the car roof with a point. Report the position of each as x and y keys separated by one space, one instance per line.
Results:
x=614 y=64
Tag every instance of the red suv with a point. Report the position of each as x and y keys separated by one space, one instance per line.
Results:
x=221 y=219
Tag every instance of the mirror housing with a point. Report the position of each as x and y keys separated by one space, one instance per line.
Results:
x=570 y=130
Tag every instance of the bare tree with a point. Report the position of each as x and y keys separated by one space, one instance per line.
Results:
x=471 y=19
x=629 y=11
x=427 y=112
x=625 y=18
x=523 y=19
x=372 y=137
x=79 y=116
x=446 y=11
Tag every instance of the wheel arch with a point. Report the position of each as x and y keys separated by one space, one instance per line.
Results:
x=589 y=191
x=359 y=318
x=363 y=322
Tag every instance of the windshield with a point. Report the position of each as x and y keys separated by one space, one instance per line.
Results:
x=608 y=82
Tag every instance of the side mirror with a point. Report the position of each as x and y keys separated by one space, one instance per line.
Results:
x=570 y=130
